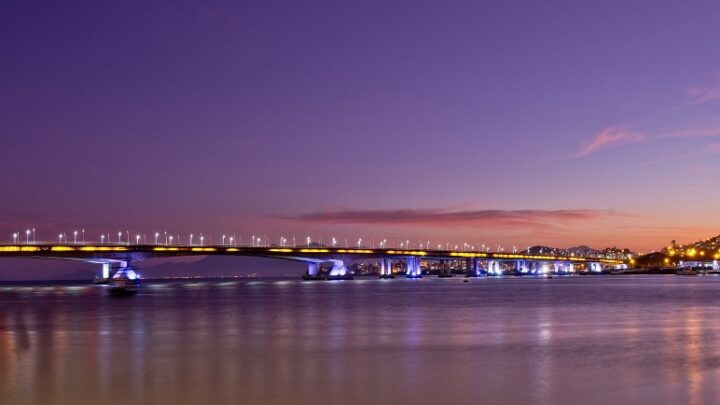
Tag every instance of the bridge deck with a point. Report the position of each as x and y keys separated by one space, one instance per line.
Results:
x=138 y=252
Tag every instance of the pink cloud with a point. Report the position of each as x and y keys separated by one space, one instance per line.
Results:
x=607 y=138
x=442 y=218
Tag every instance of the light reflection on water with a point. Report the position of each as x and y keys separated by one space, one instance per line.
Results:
x=590 y=340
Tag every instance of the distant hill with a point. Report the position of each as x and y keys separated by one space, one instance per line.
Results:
x=581 y=250
x=706 y=249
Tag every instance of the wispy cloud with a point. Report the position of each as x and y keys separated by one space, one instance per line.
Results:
x=615 y=137
x=443 y=218
x=704 y=94
x=608 y=138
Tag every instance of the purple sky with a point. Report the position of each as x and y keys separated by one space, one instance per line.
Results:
x=556 y=123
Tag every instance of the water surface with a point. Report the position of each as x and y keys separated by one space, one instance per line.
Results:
x=590 y=340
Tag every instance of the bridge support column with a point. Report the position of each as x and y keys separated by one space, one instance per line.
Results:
x=412 y=268
x=595 y=267
x=536 y=268
x=445 y=269
x=494 y=268
x=521 y=266
x=109 y=269
x=386 y=268
x=472 y=267
x=124 y=272
x=339 y=271
x=313 y=271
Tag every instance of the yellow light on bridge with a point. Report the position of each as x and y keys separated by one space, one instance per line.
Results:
x=103 y=248
x=467 y=254
x=279 y=250
x=406 y=252
x=200 y=249
x=62 y=248
x=314 y=251
x=232 y=250
x=19 y=248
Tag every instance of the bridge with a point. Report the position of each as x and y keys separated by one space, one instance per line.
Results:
x=323 y=262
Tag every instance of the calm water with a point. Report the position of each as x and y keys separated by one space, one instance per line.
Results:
x=565 y=340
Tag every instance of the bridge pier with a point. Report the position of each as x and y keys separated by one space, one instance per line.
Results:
x=313 y=271
x=472 y=267
x=595 y=267
x=445 y=271
x=538 y=268
x=494 y=268
x=386 y=268
x=109 y=269
x=339 y=271
x=521 y=266
x=412 y=267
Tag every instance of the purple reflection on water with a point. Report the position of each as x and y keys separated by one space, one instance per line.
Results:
x=565 y=340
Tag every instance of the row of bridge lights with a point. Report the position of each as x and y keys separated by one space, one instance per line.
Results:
x=256 y=241
x=403 y=245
